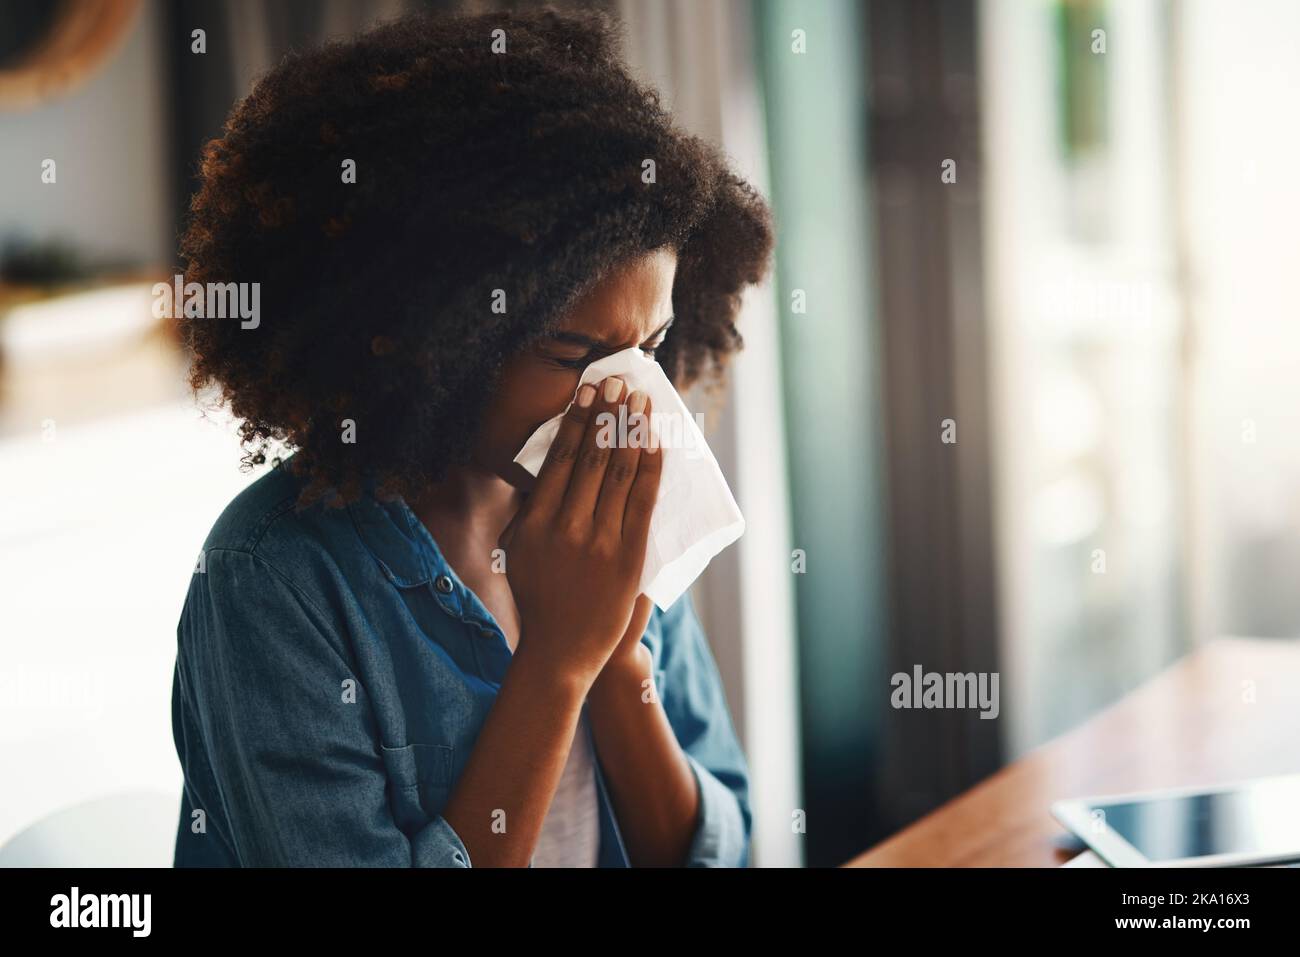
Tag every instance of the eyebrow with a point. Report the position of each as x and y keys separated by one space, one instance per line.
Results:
x=578 y=339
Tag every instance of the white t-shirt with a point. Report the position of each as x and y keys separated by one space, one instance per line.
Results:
x=570 y=834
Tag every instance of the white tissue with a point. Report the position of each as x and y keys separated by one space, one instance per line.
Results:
x=695 y=516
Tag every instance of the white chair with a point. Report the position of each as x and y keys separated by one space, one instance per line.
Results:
x=130 y=829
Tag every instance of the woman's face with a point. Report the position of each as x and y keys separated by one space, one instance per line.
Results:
x=632 y=306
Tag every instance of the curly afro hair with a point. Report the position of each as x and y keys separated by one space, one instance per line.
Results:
x=519 y=171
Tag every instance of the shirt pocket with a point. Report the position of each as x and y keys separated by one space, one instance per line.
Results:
x=420 y=780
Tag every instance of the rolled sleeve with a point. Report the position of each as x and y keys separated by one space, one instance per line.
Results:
x=285 y=764
x=695 y=703
x=438 y=845
x=721 y=837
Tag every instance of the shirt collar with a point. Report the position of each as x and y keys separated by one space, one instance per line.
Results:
x=394 y=537
x=409 y=555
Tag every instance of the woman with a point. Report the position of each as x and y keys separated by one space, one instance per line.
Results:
x=398 y=648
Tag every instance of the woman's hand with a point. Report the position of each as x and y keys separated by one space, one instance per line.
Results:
x=575 y=550
x=628 y=652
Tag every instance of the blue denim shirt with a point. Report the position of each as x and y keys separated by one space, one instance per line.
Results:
x=332 y=675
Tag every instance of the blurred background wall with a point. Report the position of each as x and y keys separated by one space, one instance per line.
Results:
x=1019 y=397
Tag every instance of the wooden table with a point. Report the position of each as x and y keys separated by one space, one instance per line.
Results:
x=1228 y=711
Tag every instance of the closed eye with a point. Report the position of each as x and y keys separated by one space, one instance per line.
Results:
x=583 y=361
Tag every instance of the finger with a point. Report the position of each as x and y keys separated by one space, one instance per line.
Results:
x=553 y=477
x=643 y=496
x=640 y=616
x=588 y=470
x=621 y=471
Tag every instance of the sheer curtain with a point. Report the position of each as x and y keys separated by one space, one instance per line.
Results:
x=1089 y=346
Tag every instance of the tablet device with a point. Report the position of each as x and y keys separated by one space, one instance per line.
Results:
x=1250 y=822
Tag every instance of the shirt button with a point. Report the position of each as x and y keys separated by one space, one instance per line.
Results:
x=443 y=584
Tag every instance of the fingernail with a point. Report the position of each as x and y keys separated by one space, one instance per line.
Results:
x=586 y=394
x=613 y=386
x=636 y=402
